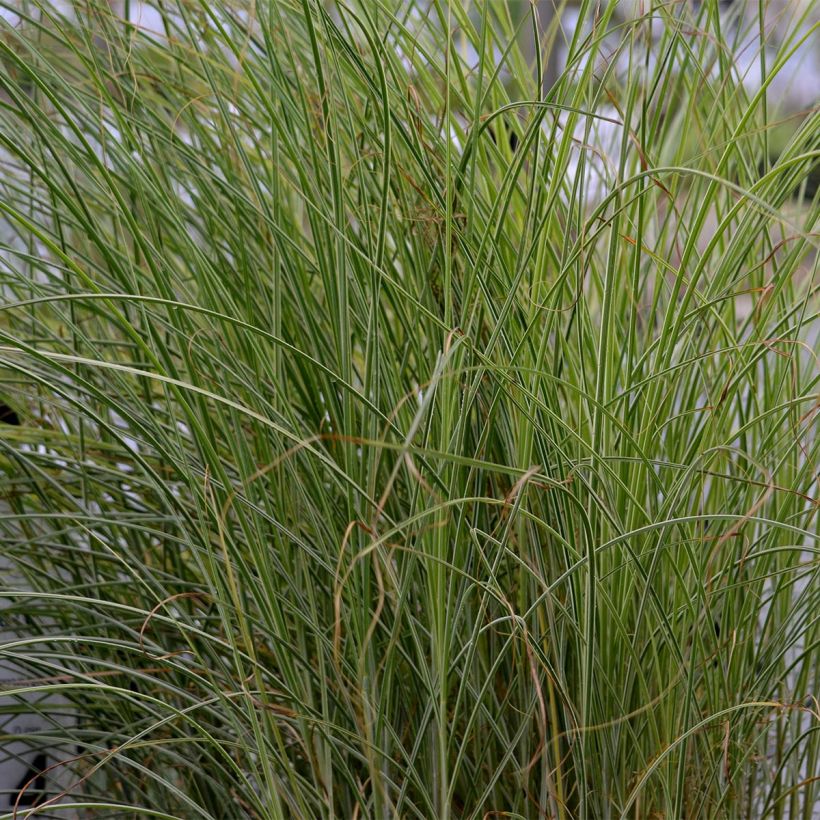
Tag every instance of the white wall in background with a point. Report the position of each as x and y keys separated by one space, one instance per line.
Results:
x=29 y=717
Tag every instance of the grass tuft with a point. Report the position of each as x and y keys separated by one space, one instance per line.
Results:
x=416 y=409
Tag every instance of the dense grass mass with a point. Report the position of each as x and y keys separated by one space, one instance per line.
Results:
x=402 y=434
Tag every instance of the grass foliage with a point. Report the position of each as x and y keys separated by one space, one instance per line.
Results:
x=400 y=438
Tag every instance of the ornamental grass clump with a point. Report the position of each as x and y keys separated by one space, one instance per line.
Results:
x=416 y=410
